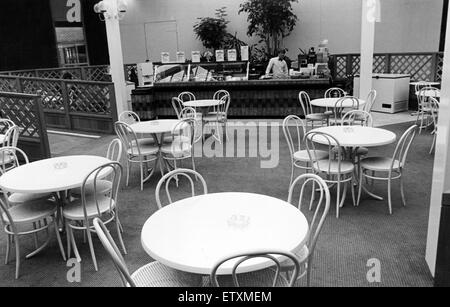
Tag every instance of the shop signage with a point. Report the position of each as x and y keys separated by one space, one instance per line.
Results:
x=220 y=55
x=232 y=55
x=66 y=10
x=244 y=53
x=195 y=55
x=181 y=57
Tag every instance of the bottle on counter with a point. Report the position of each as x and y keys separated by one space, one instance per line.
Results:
x=312 y=56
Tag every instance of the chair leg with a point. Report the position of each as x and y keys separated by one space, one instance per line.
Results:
x=402 y=191
x=292 y=174
x=74 y=244
x=360 y=186
x=389 y=195
x=128 y=165
x=69 y=245
x=8 y=248
x=119 y=235
x=352 y=187
x=141 y=166
x=58 y=238
x=338 y=198
x=225 y=127
x=35 y=236
x=17 y=245
x=91 y=247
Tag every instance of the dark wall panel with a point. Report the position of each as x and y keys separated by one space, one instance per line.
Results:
x=95 y=35
x=27 y=37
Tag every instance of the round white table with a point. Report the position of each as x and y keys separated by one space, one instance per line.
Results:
x=331 y=102
x=155 y=126
x=50 y=175
x=425 y=83
x=430 y=93
x=193 y=234
x=203 y=103
x=356 y=136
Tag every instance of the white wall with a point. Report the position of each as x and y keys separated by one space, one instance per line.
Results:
x=406 y=25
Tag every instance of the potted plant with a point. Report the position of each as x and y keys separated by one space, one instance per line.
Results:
x=211 y=31
x=271 y=20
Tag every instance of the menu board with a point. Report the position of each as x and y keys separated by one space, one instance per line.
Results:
x=244 y=53
x=232 y=55
x=181 y=57
x=165 y=57
x=220 y=55
x=195 y=56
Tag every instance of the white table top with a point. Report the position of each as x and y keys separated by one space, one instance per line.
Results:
x=427 y=83
x=357 y=136
x=331 y=102
x=155 y=126
x=203 y=103
x=50 y=175
x=430 y=93
x=194 y=233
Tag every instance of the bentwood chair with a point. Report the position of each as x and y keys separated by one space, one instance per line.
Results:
x=342 y=106
x=153 y=274
x=136 y=152
x=129 y=117
x=186 y=96
x=310 y=116
x=29 y=215
x=5 y=124
x=80 y=213
x=189 y=112
x=219 y=116
x=310 y=186
x=294 y=131
x=434 y=105
x=370 y=100
x=424 y=116
x=182 y=145
x=263 y=278
x=391 y=167
x=334 y=92
x=104 y=185
x=173 y=175
x=177 y=105
x=362 y=118
x=335 y=168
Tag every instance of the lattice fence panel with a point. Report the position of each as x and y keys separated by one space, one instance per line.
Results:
x=50 y=91
x=129 y=68
x=22 y=111
x=379 y=64
x=96 y=73
x=8 y=84
x=439 y=67
x=50 y=74
x=89 y=98
x=27 y=74
x=341 y=67
x=356 y=64
x=417 y=65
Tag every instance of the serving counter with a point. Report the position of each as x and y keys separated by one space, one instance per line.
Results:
x=249 y=99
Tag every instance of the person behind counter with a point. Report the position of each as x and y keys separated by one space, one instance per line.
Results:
x=278 y=66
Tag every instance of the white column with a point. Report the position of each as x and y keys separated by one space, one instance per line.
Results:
x=115 y=55
x=369 y=11
x=441 y=171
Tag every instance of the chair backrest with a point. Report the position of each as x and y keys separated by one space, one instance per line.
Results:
x=5 y=124
x=370 y=101
x=334 y=92
x=325 y=139
x=295 y=137
x=423 y=99
x=11 y=137
x=269 y=255
x=188 y=112
x=403 y=145
x=180 y=172
x=363 y=118
x=112 y=170
x=347 y=102
x=113 y=251
x=114 y=152
x=178 y=106
x=305 y=102
x=129 y=117
x=312 y=183
x=128 y=138
x=226 y=99
x=186 y=96
x=9 y=158
x=419 y=85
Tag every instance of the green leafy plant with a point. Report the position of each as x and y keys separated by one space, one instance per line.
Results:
x=271 y=20
x=211 y=31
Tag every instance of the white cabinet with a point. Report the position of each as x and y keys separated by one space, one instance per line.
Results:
x=392 y=92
